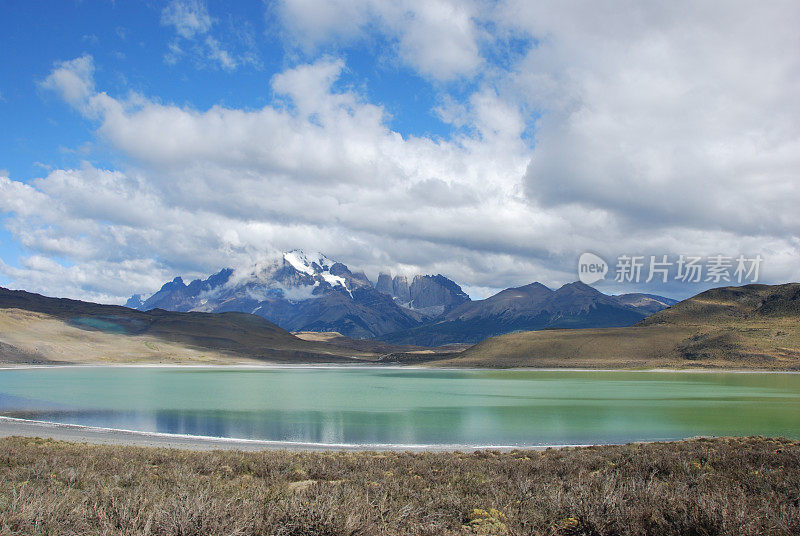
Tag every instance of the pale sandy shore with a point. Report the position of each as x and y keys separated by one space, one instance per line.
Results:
x=106 y=436
x=381 y=366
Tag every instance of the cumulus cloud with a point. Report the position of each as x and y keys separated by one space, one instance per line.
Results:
x=319 y=169
x=73 y=79
x=438 y=38
x=638 y=129
x=666 y=114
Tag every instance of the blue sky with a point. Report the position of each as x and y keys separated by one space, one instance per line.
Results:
x=130 y=41
x=493 y=142
x=129 y=44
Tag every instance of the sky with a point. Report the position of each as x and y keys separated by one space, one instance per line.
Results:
x=492 y=142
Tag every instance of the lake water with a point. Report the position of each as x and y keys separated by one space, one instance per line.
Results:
x=408 y=406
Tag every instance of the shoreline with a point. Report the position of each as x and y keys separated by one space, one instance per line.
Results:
x=95 y=435
x=259 y=366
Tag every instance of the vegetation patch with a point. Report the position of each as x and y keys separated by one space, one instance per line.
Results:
x=705 y=486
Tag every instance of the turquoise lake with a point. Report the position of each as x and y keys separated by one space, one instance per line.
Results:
x=379 y=406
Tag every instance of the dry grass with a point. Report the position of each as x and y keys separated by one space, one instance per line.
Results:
x=44 y=329
x=699 y=487
x=750 y=327
x=41 y=338
x=34 y=337
x=752 y=344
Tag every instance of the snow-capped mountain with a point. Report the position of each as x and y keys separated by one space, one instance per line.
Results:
x=309 y=292
x=299 y=292
x=318 y=266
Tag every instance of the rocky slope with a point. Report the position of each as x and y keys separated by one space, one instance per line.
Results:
x=429 y=295
x=646 y=303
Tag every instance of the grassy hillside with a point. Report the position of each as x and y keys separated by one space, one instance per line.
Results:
x=38 y=329
x=749 y=327
x=698 y=487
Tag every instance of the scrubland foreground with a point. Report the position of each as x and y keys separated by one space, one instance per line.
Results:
x=695 y=487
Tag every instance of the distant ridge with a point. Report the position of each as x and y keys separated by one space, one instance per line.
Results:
x=749 y=327
x=311 y=292
x=531 y=307
x=733 y=303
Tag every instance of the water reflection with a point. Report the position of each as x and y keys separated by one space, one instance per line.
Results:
x=409 y=407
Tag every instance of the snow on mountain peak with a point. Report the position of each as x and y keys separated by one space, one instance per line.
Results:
x=303 y=262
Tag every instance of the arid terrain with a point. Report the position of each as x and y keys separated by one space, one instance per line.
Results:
x=36 y=329
x=750 y=327
x=695 y=487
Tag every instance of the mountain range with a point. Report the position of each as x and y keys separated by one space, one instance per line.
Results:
x=310 y=292
x=298 y=292
x=528 y=308
x=749 y=327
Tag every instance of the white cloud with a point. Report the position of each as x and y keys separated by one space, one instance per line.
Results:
x=438 y=38
x=219 y=55
x=193 y=26
x=73 y=79
x=189 y=17
x=324 y=173
x=656 y=129
x=312 y=22
x=666 y=114
x=85 y=281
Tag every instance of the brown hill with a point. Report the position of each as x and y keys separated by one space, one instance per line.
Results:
x=749 y=327
x=39 y=329
x=727 y=304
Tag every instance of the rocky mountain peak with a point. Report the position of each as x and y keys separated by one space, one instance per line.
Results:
x=134 y=302
x=176 y=283
x=309 y=263
x=384 y=283
x=319 y=267
x=436 y=290
x=431 y=295
x=299 y=291
x=401 y=289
